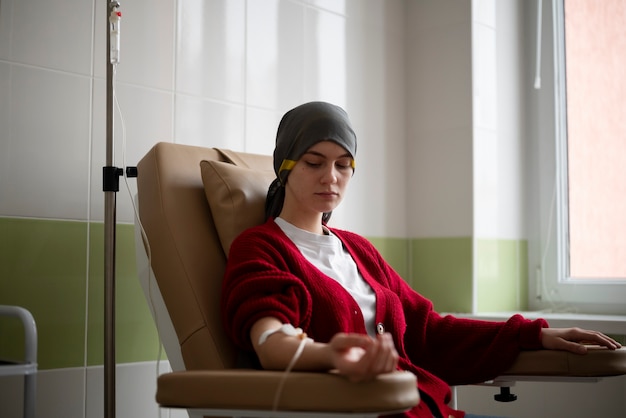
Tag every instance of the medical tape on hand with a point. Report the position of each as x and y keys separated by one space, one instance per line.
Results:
x=286 y=329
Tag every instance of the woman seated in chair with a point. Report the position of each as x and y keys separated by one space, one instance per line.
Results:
x=359 y=315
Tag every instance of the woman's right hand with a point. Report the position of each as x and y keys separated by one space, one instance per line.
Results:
x=361 y=358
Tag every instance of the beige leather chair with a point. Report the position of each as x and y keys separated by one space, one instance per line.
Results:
x=188 y=242
x=192 y=203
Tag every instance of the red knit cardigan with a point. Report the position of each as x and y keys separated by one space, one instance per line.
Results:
x=266 y=275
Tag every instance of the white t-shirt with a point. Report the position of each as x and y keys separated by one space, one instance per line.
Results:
x=326 y=252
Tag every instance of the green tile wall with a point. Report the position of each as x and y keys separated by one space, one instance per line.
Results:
x=442 y=272
x=136 y=336
x=396 y=252
x=432 y=269
x=55 y=269
x=43 y=265
x=501 y=275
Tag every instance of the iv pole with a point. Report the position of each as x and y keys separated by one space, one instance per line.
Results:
x=110 y=185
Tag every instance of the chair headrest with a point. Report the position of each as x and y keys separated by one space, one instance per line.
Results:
x=236 y=196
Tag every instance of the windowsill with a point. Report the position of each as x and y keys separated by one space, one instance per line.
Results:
x=609 y=324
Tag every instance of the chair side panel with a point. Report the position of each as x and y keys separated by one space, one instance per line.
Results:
x=187 y=258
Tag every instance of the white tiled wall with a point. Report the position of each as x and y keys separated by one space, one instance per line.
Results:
x=209 y=73
x=201 y=72
x=221 y=73
x=79 y=393
x=500 y=65
x=466 y=133
x=440 y=126
x=603 y=398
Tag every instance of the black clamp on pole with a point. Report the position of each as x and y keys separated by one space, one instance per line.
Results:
x=111 y=177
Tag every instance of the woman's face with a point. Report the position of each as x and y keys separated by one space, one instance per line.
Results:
x=318 y=181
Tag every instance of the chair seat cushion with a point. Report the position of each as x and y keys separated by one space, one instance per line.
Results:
x=302 y=391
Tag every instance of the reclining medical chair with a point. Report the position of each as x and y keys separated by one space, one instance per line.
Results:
x=192 y=202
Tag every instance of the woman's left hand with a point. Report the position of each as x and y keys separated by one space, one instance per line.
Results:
x=361 y=358
x=574 y=339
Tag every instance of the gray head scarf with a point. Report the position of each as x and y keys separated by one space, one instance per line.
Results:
x=300 y=129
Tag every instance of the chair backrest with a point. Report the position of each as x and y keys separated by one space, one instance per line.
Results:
x=192 y=202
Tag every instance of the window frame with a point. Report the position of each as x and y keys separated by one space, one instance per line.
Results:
x=553 y=288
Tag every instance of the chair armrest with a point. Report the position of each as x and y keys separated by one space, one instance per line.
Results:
x=302 y=391
x=598 y=362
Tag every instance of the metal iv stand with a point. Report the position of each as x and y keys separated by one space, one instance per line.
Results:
x=110 y=186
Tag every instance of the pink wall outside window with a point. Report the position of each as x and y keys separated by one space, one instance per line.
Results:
x=595 y=42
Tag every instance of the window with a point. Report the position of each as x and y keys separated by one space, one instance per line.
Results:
x=592 y=66
x=584 y=266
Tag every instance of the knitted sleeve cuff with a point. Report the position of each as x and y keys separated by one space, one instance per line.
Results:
x=530 y=334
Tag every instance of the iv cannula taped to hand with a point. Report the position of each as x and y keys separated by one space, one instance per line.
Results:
x=114 y=20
